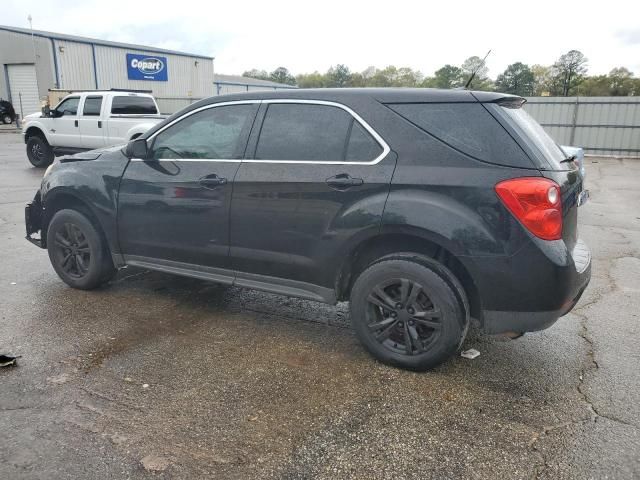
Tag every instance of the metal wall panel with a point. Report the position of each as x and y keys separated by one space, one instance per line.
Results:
x=187 y=76
x=17 y=48
x=75 y=65
x=600 y=125
x=23 y=88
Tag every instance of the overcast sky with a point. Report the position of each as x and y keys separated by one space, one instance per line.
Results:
x=245 y=34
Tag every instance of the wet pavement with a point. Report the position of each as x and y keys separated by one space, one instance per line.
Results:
x=165 y=377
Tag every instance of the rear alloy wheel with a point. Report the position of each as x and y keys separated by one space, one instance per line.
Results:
x=77 y=251
x=407 y=315
x=39 y=152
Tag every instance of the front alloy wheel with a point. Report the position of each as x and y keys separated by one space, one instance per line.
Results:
x=72 y=251
x=78 y=251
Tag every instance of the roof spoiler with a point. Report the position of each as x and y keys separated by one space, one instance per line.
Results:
x=510 y=102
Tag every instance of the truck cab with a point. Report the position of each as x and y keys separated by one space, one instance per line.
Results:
x=86 y=121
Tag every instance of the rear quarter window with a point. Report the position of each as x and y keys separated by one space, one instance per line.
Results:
x=132 y=105
x=468 y=128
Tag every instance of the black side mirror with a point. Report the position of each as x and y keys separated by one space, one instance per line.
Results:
x=46 y=111
x=137 y=149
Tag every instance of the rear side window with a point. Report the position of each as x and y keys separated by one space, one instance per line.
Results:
x=361 y=146
x=307 y=132
x=92 y=106
x=468 y=128
x=128 y=105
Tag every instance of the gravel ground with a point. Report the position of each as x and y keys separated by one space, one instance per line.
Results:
x=166 y=377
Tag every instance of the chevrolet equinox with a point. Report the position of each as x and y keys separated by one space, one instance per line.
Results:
x=426 y=209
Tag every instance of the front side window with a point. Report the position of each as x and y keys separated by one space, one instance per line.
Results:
x=214 y=133
x=133 y=105
x=92 y=106
x=308 y=132
x=69 y=106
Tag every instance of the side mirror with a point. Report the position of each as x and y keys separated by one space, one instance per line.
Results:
x=137 y=149
x=46 y=111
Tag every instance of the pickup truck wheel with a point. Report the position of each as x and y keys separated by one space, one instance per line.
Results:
x=39 y=152
x=77 y=251
x=406 y=314
x=6 y=119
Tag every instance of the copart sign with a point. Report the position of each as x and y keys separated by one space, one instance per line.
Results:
x=146 y=67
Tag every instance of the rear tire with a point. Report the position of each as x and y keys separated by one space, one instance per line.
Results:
x=6 y=119
x=77 y=251
x=39 y=152
x=407 y=315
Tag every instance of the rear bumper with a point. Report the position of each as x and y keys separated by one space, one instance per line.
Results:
x=542 y=283
x=33 y=221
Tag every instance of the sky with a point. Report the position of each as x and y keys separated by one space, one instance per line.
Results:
x=308 y=36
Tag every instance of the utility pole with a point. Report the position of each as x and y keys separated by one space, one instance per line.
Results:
x=35 y=57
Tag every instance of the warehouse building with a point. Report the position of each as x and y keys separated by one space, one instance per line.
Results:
x=225 y=84
x=34 y=61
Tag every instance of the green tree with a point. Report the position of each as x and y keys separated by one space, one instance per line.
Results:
x=448 y=76
x=311 y=80
x=481 y=80
x=254 y=73
x=517 y=79
x=542 y=80
x=338 y=76
x=568 y=72
x=282 y=75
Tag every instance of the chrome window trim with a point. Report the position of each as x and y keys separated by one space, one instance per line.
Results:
x=385 y=147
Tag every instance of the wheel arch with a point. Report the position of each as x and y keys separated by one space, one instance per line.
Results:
x=57 y=200
x=416 y=244
x=35 y=131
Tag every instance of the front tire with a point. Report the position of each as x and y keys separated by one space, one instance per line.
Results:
x=6 y=119
x=39 y=152
x=407 y=315
x=77 y=251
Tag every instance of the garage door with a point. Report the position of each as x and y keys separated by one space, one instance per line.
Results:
x=22 y=84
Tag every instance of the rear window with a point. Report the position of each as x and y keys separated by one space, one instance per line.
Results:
x=529 y=129
x=468 y=128
x=128 y=105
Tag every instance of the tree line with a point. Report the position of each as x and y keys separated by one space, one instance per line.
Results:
x=567 y=76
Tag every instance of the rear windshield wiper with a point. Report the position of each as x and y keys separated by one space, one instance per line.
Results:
x=569 y=159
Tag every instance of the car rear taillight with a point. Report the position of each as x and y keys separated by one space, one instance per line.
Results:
x=536 y=203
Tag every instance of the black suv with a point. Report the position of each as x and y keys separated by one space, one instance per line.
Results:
x=424 y=208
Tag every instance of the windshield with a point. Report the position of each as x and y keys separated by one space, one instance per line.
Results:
x=532 y=130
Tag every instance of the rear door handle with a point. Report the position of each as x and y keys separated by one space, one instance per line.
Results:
x=212 y=181
x=99 y=124
x=343 y=181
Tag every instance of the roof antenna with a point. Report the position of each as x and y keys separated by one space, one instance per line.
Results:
x=466 y=86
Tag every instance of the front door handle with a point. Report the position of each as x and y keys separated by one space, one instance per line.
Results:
x=99 y=124
x=212 y=181
x=76 y=123
x=343 y=181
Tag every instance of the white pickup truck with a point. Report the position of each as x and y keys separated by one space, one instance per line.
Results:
x=86 y=121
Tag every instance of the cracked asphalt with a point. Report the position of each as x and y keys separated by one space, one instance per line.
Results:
x=155 y=376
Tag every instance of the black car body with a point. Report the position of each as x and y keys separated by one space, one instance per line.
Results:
x=7 y=112
x=301 y=192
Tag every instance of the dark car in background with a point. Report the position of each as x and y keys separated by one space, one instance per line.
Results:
x=7 y=112
x=426 y=209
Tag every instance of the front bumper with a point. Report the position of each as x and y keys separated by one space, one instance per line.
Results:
x=544 y=289
x=33 y=221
